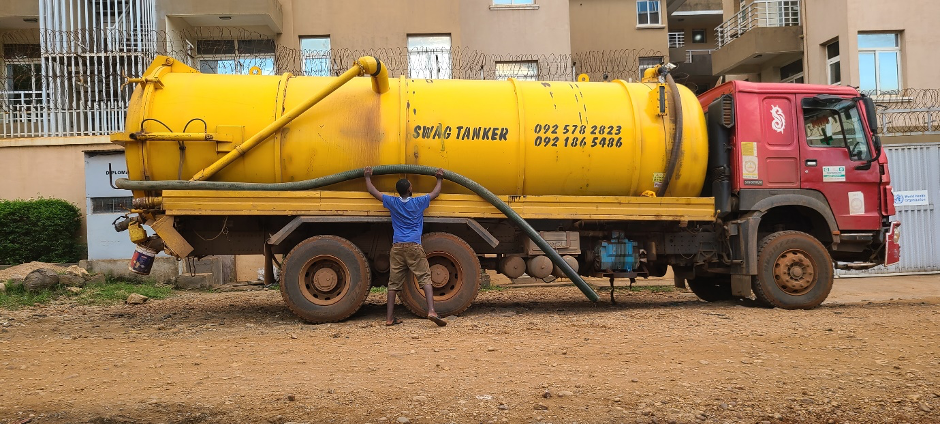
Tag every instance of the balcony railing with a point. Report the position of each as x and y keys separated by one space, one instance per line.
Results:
x=757 y=14
x=21 y=114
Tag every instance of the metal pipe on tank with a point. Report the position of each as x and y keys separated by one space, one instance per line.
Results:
x=363 y=66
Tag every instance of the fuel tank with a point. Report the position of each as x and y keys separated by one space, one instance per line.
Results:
x=513 y=137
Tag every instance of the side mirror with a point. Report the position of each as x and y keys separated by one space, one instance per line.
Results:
x=870 y=108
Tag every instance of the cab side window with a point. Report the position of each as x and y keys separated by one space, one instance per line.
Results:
x=823 y=128
x=839 y=129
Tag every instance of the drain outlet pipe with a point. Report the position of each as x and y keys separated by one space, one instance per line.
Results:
x=376 y=170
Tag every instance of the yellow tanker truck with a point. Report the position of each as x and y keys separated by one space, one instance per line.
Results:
x=612 y=179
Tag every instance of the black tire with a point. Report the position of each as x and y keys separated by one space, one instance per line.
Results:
x=795 y=271
x=713 y=288
x=326 y=279
x=453 y=257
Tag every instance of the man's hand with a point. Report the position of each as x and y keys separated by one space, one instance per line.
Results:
x=439 y=174
x=367 y=173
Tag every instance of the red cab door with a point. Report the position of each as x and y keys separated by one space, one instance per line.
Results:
x=834 y=155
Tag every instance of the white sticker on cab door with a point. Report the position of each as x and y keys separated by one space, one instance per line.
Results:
x=857 y=203
x=834 y=174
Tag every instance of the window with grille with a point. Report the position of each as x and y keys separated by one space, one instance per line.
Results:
x=429 y=56
x=676 y=39
x=315 y=53
x=527 y=70
x=235 y=56
x=110 y=204
x=645 y=63
x=23 y=74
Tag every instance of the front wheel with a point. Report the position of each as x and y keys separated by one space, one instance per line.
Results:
x=795 y=271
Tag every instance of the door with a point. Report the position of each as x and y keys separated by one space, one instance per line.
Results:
x=104 y=204
x=834 y=156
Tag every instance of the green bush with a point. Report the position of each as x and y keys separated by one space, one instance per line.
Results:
x=43 y=230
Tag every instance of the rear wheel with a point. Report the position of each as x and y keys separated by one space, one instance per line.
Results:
x=326 y=279
x=713 y=288
x=455 y=276
x=795 y=271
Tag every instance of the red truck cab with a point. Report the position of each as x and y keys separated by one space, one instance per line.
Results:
x=800 y=159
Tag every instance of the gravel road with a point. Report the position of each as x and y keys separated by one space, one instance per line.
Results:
x=535 y=354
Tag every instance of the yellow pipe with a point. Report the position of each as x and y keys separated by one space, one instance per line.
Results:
x=363 y=66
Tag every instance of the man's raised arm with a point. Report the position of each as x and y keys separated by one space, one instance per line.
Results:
x=367 y=173
x=439 y=174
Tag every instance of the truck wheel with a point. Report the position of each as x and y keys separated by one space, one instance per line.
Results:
x=794 y=271
x=455 y=276
x=326 y=279
x=714 y=288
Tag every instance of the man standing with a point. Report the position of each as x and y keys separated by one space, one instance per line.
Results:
x=407 y=253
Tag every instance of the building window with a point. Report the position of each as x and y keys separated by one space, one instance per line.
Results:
x=676 y=39
x=429 y=56
x=879 y=62
x=513 y=2
x=645 y=63
x=111 y=204
x=648 y=12
x=833 y=63
x=235 y=56
x=793 y=72
x=315 y=54
x=527 y=70
x=23 y=74
x=699 y=36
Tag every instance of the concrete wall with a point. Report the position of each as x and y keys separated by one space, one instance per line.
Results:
x=612 y=25
x=47 y=167
x=916 y=21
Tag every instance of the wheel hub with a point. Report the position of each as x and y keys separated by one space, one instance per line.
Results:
x=439 y=275
x=325 y=279
x=794 y=272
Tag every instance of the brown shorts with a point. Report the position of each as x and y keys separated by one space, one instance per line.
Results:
x=405 y=257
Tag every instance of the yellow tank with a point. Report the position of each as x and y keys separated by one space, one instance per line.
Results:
x=513 y=137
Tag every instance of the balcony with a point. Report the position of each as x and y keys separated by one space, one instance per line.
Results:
x=19 y=14
x=764 y=33
x=226 y=13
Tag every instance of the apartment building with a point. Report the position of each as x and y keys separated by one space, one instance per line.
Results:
x=63 y=62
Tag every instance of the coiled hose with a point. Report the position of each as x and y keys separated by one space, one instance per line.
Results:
x=377 y=170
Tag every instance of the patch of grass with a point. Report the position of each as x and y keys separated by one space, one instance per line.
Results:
x=380 y=290
x=17 y=297
x=117 y=291
x=110 y=292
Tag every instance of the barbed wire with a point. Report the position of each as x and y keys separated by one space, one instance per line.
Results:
x=72 y=82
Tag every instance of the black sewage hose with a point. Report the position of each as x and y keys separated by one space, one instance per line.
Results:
x=478 y=189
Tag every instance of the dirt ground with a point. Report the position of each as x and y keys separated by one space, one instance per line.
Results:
x=534 y=354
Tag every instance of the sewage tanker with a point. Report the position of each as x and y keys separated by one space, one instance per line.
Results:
x=619 y=180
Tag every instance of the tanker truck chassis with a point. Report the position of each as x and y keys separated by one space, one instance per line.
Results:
x=759 y=192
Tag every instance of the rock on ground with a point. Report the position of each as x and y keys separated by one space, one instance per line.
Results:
x=41 y=279
x=136 y=299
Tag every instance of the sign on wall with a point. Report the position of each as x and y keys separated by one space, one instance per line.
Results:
x=911 y=198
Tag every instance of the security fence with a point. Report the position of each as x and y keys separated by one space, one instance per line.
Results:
x=72 y=83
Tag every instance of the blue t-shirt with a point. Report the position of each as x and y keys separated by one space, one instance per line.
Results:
x=407 y=217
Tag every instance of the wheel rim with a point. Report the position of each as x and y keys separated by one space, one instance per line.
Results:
x=324 y=280
x=446 y=276
x=795 y=272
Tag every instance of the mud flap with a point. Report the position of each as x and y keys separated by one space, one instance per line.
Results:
x=741 y=285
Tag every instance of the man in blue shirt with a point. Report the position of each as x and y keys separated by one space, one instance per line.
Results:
x=407 y=253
